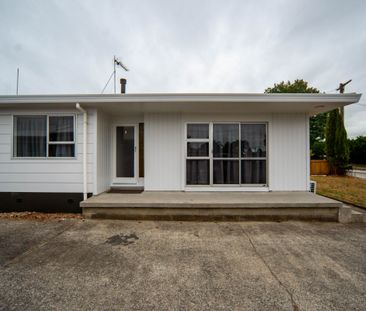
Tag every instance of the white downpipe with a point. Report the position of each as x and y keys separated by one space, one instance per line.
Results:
x=85 y=150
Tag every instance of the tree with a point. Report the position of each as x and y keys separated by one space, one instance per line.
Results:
x=358 y=150
x=318 y=150
x=330 y=130
x=317 y=129
x=317 y=123
x=298 y=86
x=336 y=143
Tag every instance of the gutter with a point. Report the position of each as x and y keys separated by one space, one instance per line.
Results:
x=85 y=150
x=347 y=98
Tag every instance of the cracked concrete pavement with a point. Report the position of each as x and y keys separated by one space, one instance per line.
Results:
x=151 y=265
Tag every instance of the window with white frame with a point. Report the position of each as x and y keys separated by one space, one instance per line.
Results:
x=41 y=136
x=198 y=154
x=226 y=154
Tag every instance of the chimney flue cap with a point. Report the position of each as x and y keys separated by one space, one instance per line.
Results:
x=123 y=85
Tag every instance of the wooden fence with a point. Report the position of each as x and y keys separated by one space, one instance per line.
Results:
x=319 y=167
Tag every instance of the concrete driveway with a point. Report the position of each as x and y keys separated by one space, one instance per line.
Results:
x=130 y=265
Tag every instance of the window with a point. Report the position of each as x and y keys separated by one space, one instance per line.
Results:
x=253 y=153
x=61 y=136
x=226 y=154
x=30 y=138
x=44 y=136
x=198 y=160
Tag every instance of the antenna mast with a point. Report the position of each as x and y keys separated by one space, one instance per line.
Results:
x=341 y=90
x=17 y=91
x=116 y=61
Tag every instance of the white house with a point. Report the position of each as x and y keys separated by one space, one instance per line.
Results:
x=158 y=142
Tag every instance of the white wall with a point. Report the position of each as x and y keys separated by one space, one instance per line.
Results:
x=163 y=151
x=289 y=154
x=45 y=175
x=103 y=153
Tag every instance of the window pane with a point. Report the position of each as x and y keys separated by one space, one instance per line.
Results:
x=197 y=131
x=61 y=150
x=61 y=128
x=253 y=172
x=198 y=172
x=30 y=136
x=226 y=171
x=253 y=140
x=197 y=149
x=226 y=140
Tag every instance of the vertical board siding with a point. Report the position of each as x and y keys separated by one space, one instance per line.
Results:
x=103 y=149
x=163 y=151
x=46 y=175
x=288 y=153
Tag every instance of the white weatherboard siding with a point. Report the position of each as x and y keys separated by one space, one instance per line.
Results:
x=163 y=151
x=288 y=154
x=287 y=149
x=45 y=175
x=103 y=154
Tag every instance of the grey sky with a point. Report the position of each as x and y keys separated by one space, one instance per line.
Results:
x=184 y=46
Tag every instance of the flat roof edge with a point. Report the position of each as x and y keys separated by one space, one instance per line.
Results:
x=180 y=97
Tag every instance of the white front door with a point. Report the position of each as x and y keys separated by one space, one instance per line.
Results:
x=125 y=154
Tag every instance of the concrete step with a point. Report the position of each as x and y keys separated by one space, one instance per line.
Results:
x=210 y=214
x=212 y=206
x=349 y=214
x=358 y=217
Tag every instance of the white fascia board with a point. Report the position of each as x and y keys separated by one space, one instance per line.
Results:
x=178 y=97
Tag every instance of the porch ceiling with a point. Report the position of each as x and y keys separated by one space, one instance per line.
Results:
x=223 y=102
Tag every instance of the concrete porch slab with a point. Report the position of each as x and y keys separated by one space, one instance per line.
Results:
x=211 y=206
x=210 y=199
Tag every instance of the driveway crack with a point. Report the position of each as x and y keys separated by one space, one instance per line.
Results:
x=295 y=307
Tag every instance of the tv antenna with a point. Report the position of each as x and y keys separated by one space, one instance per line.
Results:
x=17 y=89
x=116 y=62
x=341 y=90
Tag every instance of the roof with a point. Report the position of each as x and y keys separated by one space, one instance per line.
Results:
x=190 y=102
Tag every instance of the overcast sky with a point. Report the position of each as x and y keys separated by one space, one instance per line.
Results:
x=184 y=46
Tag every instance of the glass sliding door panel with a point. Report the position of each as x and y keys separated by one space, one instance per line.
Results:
x=125 y=156
x=197 y=131
x=225 y=172
x=198 y=172
x=196 y=149
x=253 y=172
x=226 y=140
x=253 y=140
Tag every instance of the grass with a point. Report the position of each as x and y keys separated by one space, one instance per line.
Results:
x=343 y=188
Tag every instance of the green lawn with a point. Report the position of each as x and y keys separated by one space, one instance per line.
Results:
x=344 y=188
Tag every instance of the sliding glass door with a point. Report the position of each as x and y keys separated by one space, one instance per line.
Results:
x=220 y=154
x=225 y=154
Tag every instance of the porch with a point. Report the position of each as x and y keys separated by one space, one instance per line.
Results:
x=176 y=205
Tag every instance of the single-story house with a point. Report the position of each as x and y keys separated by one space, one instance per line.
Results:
x=58 y=149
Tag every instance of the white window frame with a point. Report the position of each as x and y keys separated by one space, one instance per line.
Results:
x=211 y=158
x=47 y=115
x=198 y=140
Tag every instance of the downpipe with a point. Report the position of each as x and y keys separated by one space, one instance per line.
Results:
x=85 y=150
